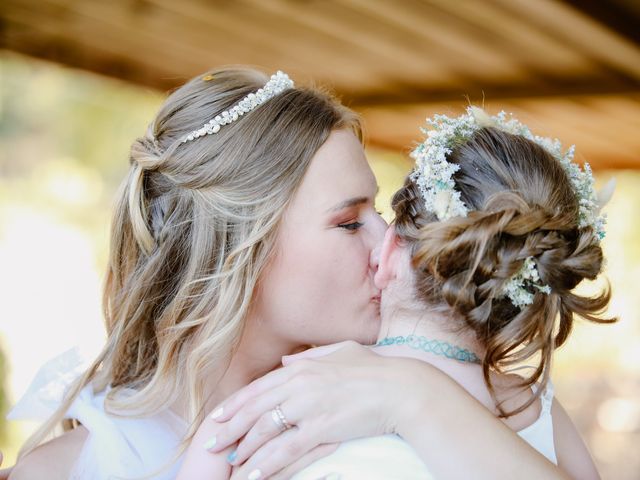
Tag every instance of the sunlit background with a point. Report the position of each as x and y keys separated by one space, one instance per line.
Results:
x=64 y=139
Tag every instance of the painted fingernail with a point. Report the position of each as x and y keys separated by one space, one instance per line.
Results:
x=232 y=456
x=255 y=475
x=217 y=414
x=209 y=444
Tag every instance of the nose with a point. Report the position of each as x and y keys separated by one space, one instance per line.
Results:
x=380 y=227
x=374 y=258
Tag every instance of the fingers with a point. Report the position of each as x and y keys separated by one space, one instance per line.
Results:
x=279 y=452
x=266 y=428
x=316 y=352
x=307 y=459
x=243 y=421
x=239 y=399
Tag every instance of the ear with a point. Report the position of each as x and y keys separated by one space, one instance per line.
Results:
x=388 y=260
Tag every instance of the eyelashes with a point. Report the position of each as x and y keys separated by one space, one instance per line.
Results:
x=353 y=226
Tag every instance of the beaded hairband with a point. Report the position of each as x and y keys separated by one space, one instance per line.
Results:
x=434 y=177
x=278 y=83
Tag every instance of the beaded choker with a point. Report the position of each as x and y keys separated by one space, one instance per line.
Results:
x=436 y=347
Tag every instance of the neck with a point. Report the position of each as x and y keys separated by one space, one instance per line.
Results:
x=258 y=352
x=432 y=325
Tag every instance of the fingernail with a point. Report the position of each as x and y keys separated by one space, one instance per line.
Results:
x=217 y=413
x=255 y=475
x=210 y=443
x=232 y=456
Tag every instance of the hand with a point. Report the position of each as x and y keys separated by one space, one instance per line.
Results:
x=328 y=394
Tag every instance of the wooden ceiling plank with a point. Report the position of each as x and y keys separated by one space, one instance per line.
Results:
x=387 y=54
x=624 y=109
x=450 y=47
x=275 y=45
x=528 y=44
x=577 y=28
x=564 y=87
x=96 y=42
x=579 y=125
x=110 y=26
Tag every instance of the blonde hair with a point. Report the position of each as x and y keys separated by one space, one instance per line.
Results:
x=522 y=205
x=193 y=228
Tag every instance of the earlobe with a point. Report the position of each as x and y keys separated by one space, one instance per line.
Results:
x=386 y=262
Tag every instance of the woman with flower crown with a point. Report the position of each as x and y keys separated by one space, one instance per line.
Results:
x=494 y=229
x=244 y=232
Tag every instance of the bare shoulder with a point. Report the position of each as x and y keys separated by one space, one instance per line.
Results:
x=512 y=396
x=571 y=451
x=52 y=460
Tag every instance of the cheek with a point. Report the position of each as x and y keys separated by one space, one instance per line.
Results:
x=318 y=286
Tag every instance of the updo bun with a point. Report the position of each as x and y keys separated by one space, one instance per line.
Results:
x=521 y=205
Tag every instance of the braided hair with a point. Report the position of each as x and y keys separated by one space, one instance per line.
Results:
x=522 y=205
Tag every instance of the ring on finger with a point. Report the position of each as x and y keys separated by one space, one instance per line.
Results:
x=279 y=419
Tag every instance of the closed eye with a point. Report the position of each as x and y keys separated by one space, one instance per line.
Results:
x=351 y=226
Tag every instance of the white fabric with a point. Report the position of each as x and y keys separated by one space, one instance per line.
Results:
x=389 y=457
x=116 y=447
x=128 y=448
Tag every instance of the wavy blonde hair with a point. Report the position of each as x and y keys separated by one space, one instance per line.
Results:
x=193 y=228
x=522 y=205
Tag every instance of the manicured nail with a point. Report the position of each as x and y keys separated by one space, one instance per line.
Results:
x=217 y=413
x=210 y=443
x=255 y=475
x=232 y=456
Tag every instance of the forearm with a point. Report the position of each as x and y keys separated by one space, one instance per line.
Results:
x=455 y=435
x=199 y=463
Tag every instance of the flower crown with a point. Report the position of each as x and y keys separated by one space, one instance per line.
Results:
x=278 y=83
x=434 y=177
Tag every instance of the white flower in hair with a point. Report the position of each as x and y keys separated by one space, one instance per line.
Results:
x=518 y=286
x=434 y=177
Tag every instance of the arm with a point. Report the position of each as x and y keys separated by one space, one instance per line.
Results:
x=199 y=463
x=52 y=460
x=573 y=456
x=459 y=435
x=350 y=392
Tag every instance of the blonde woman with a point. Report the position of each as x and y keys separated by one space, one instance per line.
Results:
x=243 y=232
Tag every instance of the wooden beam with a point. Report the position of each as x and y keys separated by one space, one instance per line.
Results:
x=566 y=87
x=624 y=21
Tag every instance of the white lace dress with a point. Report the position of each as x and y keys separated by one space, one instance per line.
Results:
x=130 y=448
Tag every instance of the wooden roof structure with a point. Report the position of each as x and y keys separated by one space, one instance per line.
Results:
x=568 y=68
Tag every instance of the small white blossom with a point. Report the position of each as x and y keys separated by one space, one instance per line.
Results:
x=518 y=286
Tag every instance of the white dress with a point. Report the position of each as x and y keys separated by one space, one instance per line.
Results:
x=116 y=447
x=388 y=457
x=129 y=448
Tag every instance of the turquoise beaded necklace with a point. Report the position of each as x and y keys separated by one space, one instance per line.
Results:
x=432 y=346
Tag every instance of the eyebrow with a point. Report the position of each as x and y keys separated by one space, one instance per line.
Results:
x=352 y=202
